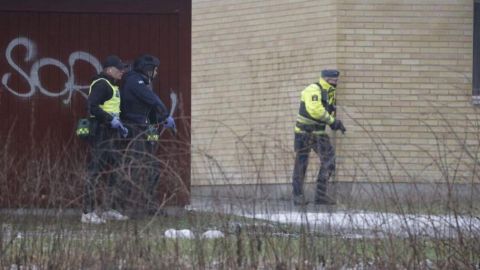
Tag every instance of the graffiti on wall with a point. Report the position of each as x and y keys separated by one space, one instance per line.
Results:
x=33 y=78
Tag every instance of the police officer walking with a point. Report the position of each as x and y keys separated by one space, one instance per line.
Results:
x=104 y=108
x=317 y=110
x=142 y=111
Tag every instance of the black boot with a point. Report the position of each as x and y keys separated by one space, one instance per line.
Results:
x=324 y=200
x=299 y=200
x=321 y=196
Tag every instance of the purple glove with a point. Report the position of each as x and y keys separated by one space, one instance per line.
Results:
x=170 y=123
x=123 y=131
x=117 y=124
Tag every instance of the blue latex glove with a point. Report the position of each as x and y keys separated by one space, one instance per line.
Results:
x=123 y=131
x=170 y=123
x=115 y=123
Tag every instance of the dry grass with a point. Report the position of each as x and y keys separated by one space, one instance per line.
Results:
x=53 y=179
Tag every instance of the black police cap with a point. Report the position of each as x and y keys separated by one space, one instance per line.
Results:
x=331 y=73
x=113 y=61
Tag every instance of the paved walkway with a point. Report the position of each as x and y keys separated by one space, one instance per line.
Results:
x=339 y=220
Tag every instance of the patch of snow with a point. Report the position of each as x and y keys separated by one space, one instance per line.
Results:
x=344 y=222
x=172 y=233
x=22 y=267
x=211 y=234
x=427 y=225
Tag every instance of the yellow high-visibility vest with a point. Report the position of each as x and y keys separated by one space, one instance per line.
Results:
x=112 y=105
x=313 y=116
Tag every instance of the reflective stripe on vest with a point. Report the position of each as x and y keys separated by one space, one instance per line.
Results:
x=112 y=105
x=315 y=132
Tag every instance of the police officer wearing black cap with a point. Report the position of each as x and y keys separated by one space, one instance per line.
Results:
x=104 y=107
x=317 y=110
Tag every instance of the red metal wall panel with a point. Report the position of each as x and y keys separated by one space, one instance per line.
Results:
x=49 y=51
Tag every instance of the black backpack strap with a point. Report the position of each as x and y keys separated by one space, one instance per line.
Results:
x=324 y=94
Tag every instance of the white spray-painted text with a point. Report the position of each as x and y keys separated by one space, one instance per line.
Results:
x=33 y=79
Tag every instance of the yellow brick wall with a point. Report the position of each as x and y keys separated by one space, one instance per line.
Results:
x=405 y=83
x=249 y=60
x=406 y=90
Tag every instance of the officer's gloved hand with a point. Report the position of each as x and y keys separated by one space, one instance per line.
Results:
x=115 y=123
x=170 y=123
x=123 y=131
x=338 y=125
x=332 y=108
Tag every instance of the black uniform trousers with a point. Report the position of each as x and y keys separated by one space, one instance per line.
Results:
x=144 y=167
x=304 y=142
x=104 y=162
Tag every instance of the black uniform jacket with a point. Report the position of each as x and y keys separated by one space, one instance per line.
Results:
x=138 y=101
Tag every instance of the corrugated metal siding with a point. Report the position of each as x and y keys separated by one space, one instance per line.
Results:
x=47 y=36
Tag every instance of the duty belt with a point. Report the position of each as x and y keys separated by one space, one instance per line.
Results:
x=310 y=127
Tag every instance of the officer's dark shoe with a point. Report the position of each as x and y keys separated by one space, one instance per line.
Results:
x=299 y=200
x=152 y=209
x=325 y=200
x=156 y=212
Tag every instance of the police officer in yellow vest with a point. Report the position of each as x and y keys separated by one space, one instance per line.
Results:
x=104 y=108
x=317 y=110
